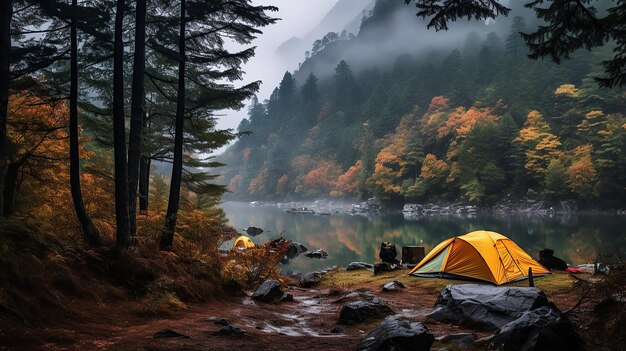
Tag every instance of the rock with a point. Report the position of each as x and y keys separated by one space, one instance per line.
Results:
x=230 y=331
x=219 y=321
x=294 y=249
x=359 y=265
x=412 y=208
x=398 y=334
x=338 y=329
x=286 y=298
x=360 y=311
x=393 y=285
x=543 y=328
x=385 y=267
x=269 y=291
x=485 y=307
x=467 y=340
x=356 y=296
x=319 y=253
x=311 y=279
x=253 y=231
x=169 y=333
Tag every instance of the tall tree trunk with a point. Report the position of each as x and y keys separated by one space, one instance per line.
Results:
x=6 y=13
x=144 y=182
x=119 y=133
x=90 y=232
x=137 y=112
x=10 y=185
x=167 y=237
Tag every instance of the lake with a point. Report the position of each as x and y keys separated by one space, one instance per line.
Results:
x=346 y=238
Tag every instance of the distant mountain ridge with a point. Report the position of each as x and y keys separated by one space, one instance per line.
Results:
x=406 y=114
x=345 y=14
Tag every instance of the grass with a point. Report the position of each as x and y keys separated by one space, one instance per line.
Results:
x=557 y=283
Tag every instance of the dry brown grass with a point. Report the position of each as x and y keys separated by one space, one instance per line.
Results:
x=553 y=284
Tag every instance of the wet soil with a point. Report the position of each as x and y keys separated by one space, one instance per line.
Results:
x=305 y=323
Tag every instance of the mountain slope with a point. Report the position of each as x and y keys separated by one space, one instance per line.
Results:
x=408 y=115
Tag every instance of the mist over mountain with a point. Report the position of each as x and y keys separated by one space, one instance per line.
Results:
x=346 y=14
x=403 y=113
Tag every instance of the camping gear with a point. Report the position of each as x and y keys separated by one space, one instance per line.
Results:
x=413 y=254
x=243 y=242
x=551 y=262
x=575 y=270
x=479 y=255
x=388 y=252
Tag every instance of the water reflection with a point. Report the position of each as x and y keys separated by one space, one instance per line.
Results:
x=347 y=238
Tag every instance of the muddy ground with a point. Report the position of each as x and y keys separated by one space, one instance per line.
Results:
x=305 y=323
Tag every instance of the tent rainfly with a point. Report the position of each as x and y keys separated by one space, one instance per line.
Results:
x=479 y=255
x=243 y=242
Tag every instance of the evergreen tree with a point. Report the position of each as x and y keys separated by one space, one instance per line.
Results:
x=347 y=93
x=515 y=46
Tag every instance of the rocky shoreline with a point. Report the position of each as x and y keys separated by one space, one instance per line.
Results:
x=528 y=206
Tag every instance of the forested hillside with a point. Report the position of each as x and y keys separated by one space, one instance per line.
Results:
x=466 y=118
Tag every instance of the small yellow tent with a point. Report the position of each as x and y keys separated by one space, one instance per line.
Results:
x=243 y=242
x=480 y=255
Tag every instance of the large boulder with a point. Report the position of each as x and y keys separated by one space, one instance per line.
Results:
x=294 y=249
x=311 y=279
x=359 y=265
x=269 y=291
x=393 y=285
x=543 y=328
x=319 y=253
x=398 y=334
x=253 y=231
x=485 y=307
x=362 y=310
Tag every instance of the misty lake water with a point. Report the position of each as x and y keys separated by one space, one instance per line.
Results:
x=347 y=238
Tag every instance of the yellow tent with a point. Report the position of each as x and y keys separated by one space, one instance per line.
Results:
x=243 y=242
x=480 y=255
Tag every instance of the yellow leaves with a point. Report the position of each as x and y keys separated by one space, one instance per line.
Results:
x=568 y=90
x=582 y=176
x=540 y=144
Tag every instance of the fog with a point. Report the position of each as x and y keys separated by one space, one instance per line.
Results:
x=297 y=18
x=281 y=46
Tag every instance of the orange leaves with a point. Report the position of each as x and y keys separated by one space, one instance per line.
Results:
x=437 y=104
x=234 y=183
x=461 y=121
x=281 y=185
x=433 y=169
x=303 y=163
x=347 y=183
x=257 y=185
x=322 y=179
x=246 y=154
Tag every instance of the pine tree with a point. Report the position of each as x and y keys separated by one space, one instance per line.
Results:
x=515 y=46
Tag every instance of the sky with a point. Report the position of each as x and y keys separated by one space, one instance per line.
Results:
x=297 y=18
